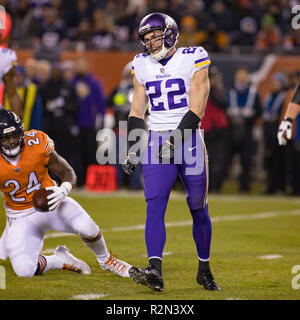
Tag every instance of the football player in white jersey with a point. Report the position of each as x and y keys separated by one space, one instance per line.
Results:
x=175 y=81
x=8 y=60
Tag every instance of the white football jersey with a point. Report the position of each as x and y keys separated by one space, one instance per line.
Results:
x=8 y=58
x=168 y=86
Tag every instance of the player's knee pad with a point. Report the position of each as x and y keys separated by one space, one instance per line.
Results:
x=194 y=203
x=24 y=266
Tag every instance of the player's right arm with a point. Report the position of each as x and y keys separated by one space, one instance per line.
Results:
x=138 y=106
x=293 y=109
x=135 y=121
x=60 y=167
x=15 y=101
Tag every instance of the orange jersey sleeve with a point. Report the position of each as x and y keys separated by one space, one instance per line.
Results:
x=19 y=182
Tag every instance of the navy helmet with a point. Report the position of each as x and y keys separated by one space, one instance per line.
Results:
x=11 y=125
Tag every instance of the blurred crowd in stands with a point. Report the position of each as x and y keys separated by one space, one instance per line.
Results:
x=111 y=24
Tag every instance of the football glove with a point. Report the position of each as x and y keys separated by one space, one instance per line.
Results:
x=130 y=163
x=58 y=195
x=285 y=131
x=166 y=151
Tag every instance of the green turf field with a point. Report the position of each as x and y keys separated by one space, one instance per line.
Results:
x=245 y=229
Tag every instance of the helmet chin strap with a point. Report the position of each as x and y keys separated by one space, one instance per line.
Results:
x=161 y=54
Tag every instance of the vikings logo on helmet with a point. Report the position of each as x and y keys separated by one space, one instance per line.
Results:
x=164 y=23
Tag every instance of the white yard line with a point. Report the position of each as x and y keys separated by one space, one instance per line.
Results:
x=236 y=217
x=90 y=296
x=270 y=256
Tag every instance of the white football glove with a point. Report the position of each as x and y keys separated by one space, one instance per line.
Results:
x=58 y=195
x=285 y=131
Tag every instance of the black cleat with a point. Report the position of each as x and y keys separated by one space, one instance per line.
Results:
x=206 y=279
x=149 y=277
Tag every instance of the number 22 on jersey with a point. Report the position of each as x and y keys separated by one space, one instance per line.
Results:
x=172 y=88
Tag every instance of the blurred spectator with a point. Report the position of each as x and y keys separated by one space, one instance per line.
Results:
x=216 y=131
x=274 y=154
x=270 y=35
x=120 y=102
x=125 y=24
x=244 y=107
x=83 y=32
x=43 y=70
x=246 y=34
x=51 y=36
x=103 y=36
x=189 y=34
x=88 y=119
x=60 y=104
x=32 y=104
x=220 y=16
x=215 y=39
x=67 y=68
x=25 y=25
x=31 y=69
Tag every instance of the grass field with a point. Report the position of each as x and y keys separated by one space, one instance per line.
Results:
x=246 y=229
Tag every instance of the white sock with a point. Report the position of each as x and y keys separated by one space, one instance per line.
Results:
x=98 y=246
x=53 y=262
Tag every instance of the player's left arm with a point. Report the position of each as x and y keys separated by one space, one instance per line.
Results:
x=60 y=167
x=15 y=101
x=199 y=92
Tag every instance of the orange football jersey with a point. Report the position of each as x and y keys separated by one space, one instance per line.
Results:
x=19 y=182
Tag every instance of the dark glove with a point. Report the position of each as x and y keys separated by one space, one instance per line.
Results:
x=130 y=163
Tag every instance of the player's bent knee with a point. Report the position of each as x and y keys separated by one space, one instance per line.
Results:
x=24 y=267
x=88 y=229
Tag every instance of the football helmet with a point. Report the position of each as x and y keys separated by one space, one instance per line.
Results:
x=164 y=23
x=11 y=133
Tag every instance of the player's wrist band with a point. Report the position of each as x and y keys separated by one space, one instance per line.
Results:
x=189 y=121
x=288 y=119
x=67 y=186
x=134 y=123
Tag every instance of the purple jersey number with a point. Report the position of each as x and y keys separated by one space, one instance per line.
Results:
x=178 y=87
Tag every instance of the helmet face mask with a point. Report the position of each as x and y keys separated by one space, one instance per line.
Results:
x=11 y=134
x=157 y=27
x=11 y=144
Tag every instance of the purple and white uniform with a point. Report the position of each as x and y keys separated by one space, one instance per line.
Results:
x=167 y=84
